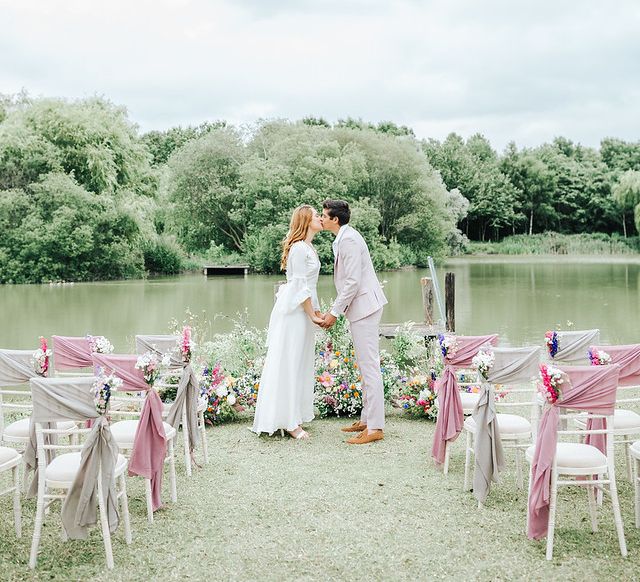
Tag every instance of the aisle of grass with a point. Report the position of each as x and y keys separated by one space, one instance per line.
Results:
x=278 y=509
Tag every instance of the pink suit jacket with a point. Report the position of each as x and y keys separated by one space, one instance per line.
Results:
x=359 y=291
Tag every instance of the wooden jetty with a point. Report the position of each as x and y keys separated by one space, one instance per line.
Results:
x=226 y=270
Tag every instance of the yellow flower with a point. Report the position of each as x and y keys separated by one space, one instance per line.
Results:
x=346 y=360
x=337 y=353
x=333 y=364
x=356 y=394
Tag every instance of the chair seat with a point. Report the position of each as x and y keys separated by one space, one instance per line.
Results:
x=574 y=455
x=124 y=432
x=9 y=456
x=20 y=428
x=469 y=400
x=64 y=467
x=507 y=424
x=623 y=419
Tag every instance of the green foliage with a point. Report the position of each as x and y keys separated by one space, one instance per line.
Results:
x=162 y=255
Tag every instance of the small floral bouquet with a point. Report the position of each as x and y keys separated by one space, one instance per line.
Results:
x=599 y=357
x=102 y=388
x=151 y=366
x=448 y=345
x=41 y=357
x=187 y=345
x=552 y=378
x=551 y=339
x=417 y=396
x=483 y=361
x=98 y=344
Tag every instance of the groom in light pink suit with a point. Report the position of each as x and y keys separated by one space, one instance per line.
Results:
x=360 y=299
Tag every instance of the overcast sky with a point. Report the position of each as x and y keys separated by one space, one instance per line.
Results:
x=512 y=70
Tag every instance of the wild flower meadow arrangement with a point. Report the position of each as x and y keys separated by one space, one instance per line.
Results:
x=551 y=385
x=551 y=339
x=417 y=395
x=599 y=357
x=102 y=388
x=222 y=395
x=41 y=358
x=98 y=344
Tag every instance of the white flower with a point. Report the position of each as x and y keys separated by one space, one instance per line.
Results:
x=483 y=361
x=166 y=360
x=222 y=391
x=231 y=399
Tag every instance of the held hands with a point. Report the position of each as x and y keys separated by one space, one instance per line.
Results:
x=328 y=321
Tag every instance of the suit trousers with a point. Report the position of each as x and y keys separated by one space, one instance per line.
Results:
x=366 y=344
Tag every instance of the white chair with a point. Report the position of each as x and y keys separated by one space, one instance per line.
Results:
x=163 y=345
x=10 y=460
x=634 y=451
x=576 y=463
x=56 y=399
x=515 y=369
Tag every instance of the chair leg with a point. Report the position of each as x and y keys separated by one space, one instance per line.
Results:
x=106 y=535
x=37 y=527
x=529 y=495
x=593 y=512
x=615 y=504
x=124 y=507
x=627 y=451
x=172 y=471
x=467 y=460
x=147 y=494
x=17 y=508
x=447 y=452
x=552 y=513
x=185 y=438
x=636 y=486
x=203 y=434
x=600 y=492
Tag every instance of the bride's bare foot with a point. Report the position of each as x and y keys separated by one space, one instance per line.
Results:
x=298 y=433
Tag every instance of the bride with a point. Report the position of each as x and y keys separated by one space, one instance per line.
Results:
x=285 y=396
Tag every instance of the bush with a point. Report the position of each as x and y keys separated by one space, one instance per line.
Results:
x=163 y=255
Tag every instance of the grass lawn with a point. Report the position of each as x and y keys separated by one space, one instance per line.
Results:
x=279 y=509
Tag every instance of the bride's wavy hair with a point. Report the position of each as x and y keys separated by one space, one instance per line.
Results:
x=298 y=227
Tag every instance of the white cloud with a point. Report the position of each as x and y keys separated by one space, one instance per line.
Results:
x=523 y=71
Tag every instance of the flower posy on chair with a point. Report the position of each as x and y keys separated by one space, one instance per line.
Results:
x=41 y=357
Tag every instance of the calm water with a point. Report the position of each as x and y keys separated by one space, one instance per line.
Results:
x=520 y=299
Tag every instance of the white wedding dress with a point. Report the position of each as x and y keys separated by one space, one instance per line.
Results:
x=285 y=395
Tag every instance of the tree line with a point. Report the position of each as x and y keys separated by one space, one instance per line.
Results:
x=85 y=195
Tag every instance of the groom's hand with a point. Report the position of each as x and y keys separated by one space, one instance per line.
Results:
x=329 y=320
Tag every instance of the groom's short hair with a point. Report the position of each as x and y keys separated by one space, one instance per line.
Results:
x=339 y=209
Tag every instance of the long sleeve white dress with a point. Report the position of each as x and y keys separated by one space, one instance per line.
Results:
x=285 y=395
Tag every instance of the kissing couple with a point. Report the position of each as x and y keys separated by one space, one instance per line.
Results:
x=285 y=396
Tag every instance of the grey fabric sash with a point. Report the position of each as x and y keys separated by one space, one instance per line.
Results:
x=187 y=388
x=511 y=366
x=56 y=399
x=573 y=346
x=16 y=367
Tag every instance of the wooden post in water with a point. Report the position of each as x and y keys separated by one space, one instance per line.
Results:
x=450 y=301
x=427 y=299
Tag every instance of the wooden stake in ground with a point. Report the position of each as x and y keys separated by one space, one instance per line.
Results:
x=450 y=301
x=426 y=285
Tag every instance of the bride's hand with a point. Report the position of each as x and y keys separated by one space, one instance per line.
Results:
x=317 y=320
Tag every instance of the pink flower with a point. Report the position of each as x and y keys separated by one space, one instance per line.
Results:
x=326 y=379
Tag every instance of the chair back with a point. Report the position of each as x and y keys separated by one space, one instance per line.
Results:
x=161 y=345
x=571 y=347
x=71 y=353
x=17 y=367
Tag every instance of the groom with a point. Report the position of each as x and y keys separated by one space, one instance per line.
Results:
x=360 y=299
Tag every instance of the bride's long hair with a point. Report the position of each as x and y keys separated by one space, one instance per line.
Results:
x=298 y=227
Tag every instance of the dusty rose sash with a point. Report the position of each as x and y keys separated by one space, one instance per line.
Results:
x=587 y=388
x=70 y=353
x=450 y=415
x=149 y=443
x=628 y=358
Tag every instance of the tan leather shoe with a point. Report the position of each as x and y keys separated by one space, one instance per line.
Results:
x=355 y=427
x=366 y=437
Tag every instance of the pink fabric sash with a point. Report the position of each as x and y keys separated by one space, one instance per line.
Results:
x=450 y=416
x=628 y=358
x=149 y=443
x=70 y=353
x=587 y=388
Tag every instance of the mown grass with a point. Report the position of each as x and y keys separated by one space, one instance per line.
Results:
x=557 y=244
x=278 y=509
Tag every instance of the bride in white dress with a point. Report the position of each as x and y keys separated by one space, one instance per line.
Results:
x=285 y=396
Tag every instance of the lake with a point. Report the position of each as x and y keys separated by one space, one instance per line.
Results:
x=518 y=298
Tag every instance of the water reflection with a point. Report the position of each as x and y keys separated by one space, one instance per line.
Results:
x=519 y=299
